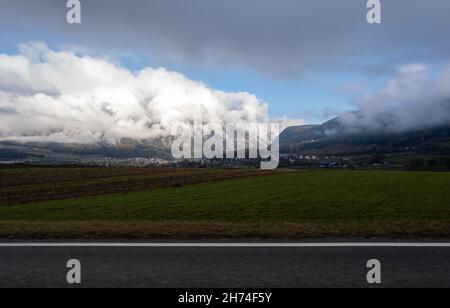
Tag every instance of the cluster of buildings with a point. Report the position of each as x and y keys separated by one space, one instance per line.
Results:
x=299 y=157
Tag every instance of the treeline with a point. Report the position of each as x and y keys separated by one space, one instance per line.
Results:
x=431 y=162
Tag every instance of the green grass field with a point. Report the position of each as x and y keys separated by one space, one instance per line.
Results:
x=287 y=205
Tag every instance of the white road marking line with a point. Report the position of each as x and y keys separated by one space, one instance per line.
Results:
x=227 y=245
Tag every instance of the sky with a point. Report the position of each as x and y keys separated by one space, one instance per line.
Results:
x=303 y=61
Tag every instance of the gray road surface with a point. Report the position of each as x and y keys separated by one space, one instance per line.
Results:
x=227 y=267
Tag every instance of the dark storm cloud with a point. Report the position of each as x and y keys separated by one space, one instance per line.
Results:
x=280 y=38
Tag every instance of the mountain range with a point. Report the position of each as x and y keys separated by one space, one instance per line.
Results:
x=332 y=138
x=337 y=138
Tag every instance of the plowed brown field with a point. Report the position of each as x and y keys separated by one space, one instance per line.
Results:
x=23 y=185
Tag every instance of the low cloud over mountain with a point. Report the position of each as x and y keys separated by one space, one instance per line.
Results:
x=412 y=99
x=58 y=96
x=64 y=97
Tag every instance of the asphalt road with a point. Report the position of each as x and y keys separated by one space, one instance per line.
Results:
x=224 y=267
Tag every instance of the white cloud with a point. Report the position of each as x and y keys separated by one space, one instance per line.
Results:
x=412 y=99
x=286 y=122
x=59 y=96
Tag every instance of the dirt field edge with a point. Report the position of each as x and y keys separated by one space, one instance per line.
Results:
x=179 y=230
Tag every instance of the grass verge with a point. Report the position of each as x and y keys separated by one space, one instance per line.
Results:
x=180 y=230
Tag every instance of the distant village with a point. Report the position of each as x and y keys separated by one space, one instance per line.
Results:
x=286 y=161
